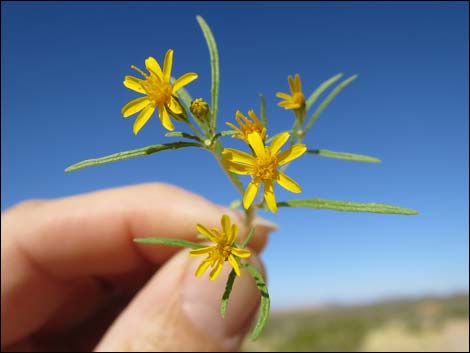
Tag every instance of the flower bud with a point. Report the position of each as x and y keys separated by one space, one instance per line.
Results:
x=200 y=109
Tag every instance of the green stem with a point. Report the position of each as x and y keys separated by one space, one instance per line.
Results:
x=196 y=131
x=216 y=150
x=298 y=125
x=249 y=216
x=298 y=133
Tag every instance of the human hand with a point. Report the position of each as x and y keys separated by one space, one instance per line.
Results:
x=70 y=267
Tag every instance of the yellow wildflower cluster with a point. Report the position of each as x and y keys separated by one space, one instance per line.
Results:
x=265 y=161
x=160 y=92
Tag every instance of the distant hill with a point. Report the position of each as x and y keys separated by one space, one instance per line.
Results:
x=425 y=324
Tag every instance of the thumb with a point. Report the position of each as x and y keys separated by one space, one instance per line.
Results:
x=176 y=311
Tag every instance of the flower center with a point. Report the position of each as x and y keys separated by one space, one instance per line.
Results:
x=224 y=250
x=250 y=128
x=158 y=91
x=298 y=98
x=265 y=167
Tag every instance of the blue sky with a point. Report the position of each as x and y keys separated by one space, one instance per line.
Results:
x=62 y=71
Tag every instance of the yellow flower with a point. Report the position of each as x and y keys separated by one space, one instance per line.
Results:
x=263 y=167
x=297 y=99
x=223 y=250
x=158 y=90
x=247 y=126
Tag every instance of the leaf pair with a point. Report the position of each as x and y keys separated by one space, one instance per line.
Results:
x=323 y=87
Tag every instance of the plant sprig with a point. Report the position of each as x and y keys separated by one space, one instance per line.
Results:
x=261 y=161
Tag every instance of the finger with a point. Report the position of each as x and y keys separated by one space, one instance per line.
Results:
x=91 y=296
x=176 y=311
x=93 y=233
x=47 y=245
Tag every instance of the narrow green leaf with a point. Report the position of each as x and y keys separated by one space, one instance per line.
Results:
x=130 y=154
x=214 y=58
x=182 y=134
x=235 y=204
x=248 y=238
x=224 y=133
x=348 y=206
x=227 y=133
x=228 y=290
x=170 y=241
x=320 y=89
x=264 y=118
x=265 y=302
x=270 y=138
x=345 y=155
x=294 y=137
x=327 y=101
x=202 y=237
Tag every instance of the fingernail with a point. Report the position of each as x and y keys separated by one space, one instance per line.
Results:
x=201 y=303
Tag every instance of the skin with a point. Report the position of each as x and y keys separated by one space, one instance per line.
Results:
x=74 y=280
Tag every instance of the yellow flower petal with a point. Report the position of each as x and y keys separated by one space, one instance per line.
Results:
x=217 y=234
x=237 y=156
x=238 y=168
x=234 y=264
x=250 y=194
x=243 y=253
x=298 y=84
x=184 y=80
x=284 y=103
x=239 y=116
x=234 y=127
x=283 y=95
x=291 y=83
x=291 y=153
x=225 y=222
x=269 y=196
x=152 y=66
x=165 y=118
x=278 y=141
x=253 y=116
x=216 y=271
x=143 y=117
x=203 y=267
x=134 y=84
x=288 y=183
x=233 y=234
x=168 y=63
x=201 y=251
x=134 y=106
x=256 y=142
x=204 y=231
x=289 y=105
x=175 y=107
